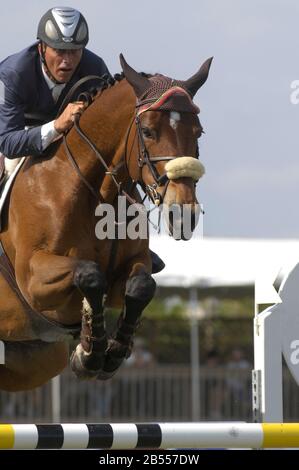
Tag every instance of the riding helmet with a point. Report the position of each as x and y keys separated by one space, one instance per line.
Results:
x=63 y=28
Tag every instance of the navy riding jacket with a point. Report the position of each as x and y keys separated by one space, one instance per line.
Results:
x=25 y=93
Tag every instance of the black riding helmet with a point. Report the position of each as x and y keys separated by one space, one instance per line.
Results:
x=63 y=28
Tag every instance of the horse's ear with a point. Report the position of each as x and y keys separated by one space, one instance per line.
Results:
x=194 y=83
x=139 y=83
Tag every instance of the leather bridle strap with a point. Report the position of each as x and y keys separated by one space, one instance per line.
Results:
x=96 y=151
x=109 y=171
x=75 y=87
x=77 y=169
x=145 y=159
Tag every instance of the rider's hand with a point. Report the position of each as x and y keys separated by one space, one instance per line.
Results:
x=66 y=119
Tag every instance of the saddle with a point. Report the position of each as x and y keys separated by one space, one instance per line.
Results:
x=6 y=183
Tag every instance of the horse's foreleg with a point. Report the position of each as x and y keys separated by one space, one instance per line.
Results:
x=54 y=288
x=140 y=289
x=88 y=357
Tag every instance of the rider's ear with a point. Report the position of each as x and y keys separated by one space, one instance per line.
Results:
x=196 y=81
x=41 y=47
x=139 y=83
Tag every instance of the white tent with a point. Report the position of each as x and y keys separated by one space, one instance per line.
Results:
x=209 y=262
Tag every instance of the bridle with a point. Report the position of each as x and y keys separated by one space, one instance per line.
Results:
x=144 y=158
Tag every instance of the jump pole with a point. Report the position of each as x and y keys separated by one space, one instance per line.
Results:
x=149 y=436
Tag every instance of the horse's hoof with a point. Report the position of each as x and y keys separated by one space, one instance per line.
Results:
x=115 y=355
x=82 y=363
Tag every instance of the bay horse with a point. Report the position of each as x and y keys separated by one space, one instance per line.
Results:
x=143 y=129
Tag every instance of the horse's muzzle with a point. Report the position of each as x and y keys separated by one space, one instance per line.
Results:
x=182 y=220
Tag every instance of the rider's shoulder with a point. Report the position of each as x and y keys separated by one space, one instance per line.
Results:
x=19 y=63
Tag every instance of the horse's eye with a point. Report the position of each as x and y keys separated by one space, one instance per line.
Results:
x=147 y=133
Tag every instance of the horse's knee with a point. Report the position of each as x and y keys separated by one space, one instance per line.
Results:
x=140 y=288
x=88 y=277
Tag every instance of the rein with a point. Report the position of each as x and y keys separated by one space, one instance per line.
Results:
x=108 y=171
x=88 y=98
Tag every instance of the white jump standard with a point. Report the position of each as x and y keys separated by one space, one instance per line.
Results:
x=276 y=335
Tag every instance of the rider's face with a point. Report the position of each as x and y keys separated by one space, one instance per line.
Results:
x=62 y=63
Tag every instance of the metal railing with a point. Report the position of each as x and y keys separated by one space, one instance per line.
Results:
x=159 y=393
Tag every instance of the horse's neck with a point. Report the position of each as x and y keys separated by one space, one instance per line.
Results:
x=106 y=123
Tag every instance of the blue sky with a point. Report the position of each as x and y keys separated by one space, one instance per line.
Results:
x=251 y=145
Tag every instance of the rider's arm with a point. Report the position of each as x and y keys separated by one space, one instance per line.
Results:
x=15 y=139
x=49 y=134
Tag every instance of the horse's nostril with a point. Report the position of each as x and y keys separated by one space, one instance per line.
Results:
x=193 y=221
x=195 y=216
x=182 y=220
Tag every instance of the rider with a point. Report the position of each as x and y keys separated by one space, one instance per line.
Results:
x=36 y=80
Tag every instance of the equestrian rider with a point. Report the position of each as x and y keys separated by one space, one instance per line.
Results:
x=34 y=83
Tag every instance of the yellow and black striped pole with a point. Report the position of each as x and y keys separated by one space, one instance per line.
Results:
x=151 y=435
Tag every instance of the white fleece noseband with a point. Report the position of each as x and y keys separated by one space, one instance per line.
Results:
x=184 y=167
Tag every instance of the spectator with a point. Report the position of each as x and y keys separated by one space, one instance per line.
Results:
x=237 y=383
x=214 y=390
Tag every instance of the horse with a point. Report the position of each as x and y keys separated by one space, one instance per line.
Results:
x=140 y=130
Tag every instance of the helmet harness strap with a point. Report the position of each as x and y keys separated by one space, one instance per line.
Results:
x=44 y=62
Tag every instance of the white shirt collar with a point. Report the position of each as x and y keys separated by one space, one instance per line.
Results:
x=55 y=88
